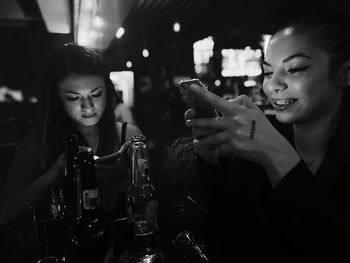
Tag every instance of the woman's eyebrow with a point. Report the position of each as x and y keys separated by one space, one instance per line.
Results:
x=97 y=88
x=73 y=92
x=296 y=55
x=289 y=58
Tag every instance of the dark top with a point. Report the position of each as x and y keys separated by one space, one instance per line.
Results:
x=305 y=218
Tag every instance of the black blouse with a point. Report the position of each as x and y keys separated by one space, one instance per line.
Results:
x=305 y=218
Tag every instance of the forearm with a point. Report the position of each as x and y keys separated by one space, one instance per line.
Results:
x=20 y=201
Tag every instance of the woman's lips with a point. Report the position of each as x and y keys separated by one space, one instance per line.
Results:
x=282 y=104
x=89 y=115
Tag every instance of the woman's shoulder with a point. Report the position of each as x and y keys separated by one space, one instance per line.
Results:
x=131 y=130
x=33 y=137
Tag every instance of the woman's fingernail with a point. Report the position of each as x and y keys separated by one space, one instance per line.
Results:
x=188 y=122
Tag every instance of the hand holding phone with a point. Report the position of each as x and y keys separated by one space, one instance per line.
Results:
x=193 y=100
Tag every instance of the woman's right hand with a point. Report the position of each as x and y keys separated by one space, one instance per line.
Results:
x=206 y=152
x=243 y=130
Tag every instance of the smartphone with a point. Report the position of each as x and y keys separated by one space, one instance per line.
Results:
x=194 y=101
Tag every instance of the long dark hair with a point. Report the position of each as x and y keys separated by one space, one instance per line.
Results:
x=64 y=61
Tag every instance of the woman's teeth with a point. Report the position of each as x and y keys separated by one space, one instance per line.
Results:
x=284 y=102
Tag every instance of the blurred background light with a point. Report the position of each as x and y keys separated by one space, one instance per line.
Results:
x=98 y=21
x=203 y=50
x=124 y=83
x=176 y=27
x=56 y=15
x=241 y=62
x=120 y=32
x=145 y=53
x=129 y=64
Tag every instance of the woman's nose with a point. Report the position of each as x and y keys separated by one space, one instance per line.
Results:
x=86 y=103
x=276 y=84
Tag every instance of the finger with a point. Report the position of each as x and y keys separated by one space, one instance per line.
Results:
x=199 y=132
x=108 y=158
x=217 y=123
x=83 y=148
x=220 y=104
x=190 y=113
x=124 y=147
x=245 y=101
x=213 y=140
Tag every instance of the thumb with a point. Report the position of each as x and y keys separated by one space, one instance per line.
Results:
x=219 y=103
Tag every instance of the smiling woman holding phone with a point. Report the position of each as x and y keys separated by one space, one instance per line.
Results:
x=78 y=99
x=285 y=183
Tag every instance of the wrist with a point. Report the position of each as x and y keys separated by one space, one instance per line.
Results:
x=279 y=162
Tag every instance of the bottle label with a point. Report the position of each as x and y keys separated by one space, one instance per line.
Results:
x=91 y=199
x=143 y=166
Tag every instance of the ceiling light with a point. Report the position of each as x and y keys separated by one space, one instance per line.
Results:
x=56 y=15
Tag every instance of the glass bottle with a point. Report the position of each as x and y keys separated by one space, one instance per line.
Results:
x=66 y=207
x=142 y=207
x=88 y=239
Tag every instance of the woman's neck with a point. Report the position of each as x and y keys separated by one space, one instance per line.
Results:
x=91 y=135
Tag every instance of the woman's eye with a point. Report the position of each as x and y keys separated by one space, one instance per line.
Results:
x=267 y=74
x=72 y=98
x=96 y=95
x=297 y=69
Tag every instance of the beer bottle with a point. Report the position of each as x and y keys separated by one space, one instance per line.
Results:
x=66 y=208
x=142 y=206
x=52 y=221
x=88 y=239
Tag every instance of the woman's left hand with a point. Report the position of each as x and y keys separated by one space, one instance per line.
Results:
x=114 y=166
x=242 y=130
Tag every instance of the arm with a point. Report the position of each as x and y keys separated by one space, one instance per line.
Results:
x=26 y=182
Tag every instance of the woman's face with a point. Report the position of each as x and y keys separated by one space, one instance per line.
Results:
x=83 y=98
x=297 y=79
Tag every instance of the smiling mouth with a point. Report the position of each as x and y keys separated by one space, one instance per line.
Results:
x=283 y=102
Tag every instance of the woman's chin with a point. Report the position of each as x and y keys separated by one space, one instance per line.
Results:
x=88 y=122
x=284 y=117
